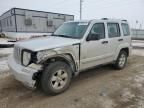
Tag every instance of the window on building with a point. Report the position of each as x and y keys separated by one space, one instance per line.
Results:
x=11 y=22
x=7 y=22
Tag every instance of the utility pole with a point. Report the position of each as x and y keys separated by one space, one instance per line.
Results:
x=81 y=1
x=136 y=27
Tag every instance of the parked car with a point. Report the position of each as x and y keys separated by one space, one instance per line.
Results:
x=75 y=46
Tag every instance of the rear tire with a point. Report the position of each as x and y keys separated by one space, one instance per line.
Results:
x=121 y=60
x=56 y=78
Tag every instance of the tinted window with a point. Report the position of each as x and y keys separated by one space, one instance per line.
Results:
x=113 y=30
x=125 y=29
x=98 y=29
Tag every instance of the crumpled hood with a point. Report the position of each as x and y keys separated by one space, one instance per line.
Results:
x=44 y=43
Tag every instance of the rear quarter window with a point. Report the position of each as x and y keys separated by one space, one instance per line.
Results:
x=126 y=30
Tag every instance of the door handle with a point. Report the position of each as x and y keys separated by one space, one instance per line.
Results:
x=120 y=39
x=104 y=42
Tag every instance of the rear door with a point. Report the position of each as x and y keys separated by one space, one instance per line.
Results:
x=115 y=37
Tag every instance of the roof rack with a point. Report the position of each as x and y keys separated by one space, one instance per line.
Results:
x=104 y=18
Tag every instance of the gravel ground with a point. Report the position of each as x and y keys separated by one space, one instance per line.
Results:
x=102 y=87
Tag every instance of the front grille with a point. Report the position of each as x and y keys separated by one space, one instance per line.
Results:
x=17 y=54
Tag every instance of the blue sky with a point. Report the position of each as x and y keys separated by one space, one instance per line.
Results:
x=131 y=10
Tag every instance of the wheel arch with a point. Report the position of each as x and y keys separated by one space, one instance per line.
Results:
x=126 y=49
x=67 y=58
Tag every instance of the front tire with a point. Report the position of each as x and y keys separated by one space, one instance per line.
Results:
x=56 y=78
x=121 y=60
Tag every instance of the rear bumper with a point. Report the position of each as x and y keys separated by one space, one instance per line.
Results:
x=21 y=73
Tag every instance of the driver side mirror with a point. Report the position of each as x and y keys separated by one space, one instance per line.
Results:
x=93 y=37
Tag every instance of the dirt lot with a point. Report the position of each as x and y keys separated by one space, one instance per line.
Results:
x=101 y=87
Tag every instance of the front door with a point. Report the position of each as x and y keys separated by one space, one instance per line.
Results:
x=96 y=50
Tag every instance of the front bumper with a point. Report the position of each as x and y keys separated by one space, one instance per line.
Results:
x=21 y=73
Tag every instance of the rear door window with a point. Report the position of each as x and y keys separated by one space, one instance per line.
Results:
x=113 y=30
x=126 y=30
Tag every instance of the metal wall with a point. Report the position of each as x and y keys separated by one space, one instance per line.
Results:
x=137 y=34
x=23 y=20
x=0 y=27
x=8 y=21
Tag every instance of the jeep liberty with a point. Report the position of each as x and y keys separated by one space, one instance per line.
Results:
x=52 y=61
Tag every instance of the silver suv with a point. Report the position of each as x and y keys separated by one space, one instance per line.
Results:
x=52 y=61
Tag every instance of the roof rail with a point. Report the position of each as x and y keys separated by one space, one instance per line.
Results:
x=124 y=20
x=104 y=18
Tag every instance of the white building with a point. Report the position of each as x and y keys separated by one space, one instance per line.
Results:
x=18 y=22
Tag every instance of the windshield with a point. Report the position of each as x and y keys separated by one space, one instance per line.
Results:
x=72 y=30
